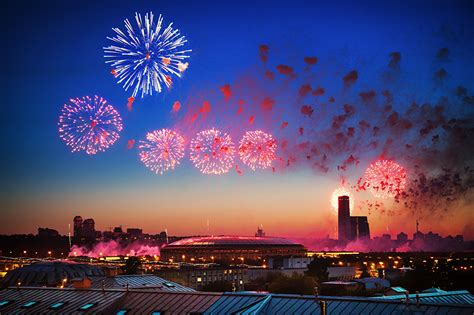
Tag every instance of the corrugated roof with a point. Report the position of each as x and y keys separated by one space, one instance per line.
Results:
x=442 y=297
x=292 y=304
x=146 y=302
x=151 y=282
x=110 y=301
x=46 y=297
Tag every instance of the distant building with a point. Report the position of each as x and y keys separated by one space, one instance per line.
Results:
x=77 y=227
x=289 y=262
x=134 y=232
x=230 y=248
x=402 y=238
x=351 y=228
x=260 y=232
x=88 y=229
x=45 y=232
x=198 y=277
x=118 y=230
x=359 y=228
x=344 y=224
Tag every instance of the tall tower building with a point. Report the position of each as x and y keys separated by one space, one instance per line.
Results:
x=344 y=224
x=78 y=226
x=88 y=229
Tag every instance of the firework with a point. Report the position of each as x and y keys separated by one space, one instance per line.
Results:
x=162 y=150
x=212 y=152
x=341 y=191
x=385 y=178
x=146 y=56
x=257 y=149
x=89 y=125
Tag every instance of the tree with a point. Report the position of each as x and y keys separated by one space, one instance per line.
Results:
x=318 y=269
x=132 y=266
x=365 y=271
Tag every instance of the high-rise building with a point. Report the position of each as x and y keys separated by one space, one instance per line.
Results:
x=351 y=228
x=359 y=228
x=344 y=224
x=78 y=224
x=88 y=229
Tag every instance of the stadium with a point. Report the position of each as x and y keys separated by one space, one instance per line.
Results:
x=230 y=248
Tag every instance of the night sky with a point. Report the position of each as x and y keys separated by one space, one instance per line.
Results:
x=54 y=52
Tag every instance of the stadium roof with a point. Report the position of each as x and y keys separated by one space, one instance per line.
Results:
x=113 y=301
x=232 y=241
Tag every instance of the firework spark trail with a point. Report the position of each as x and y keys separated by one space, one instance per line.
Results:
x=257 y=149
x=89 y=125
x=145 y=58
x=162 y=150
x=385 y=179
x=212 y=152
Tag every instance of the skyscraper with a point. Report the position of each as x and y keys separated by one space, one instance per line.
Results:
x=359 y=228
x=78 y=227
x=344 y=225
x=351 y=228
x=88 y=229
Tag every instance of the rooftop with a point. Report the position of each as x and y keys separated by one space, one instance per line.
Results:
x=232 y=241
x=112 y=301
x=435 y=297
x=147 y=282
x=49 y=273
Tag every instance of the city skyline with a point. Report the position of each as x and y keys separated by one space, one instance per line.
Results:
x=44 y=184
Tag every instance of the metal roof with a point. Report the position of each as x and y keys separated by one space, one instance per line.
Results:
x=74 y=299
x=151 y=282
x=291 y=304
x=439 y=297
x=49 y=273
x=110 y=301
x=146 y=302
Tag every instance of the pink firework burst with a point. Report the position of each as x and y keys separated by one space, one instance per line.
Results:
x=257 y=149
x=89 y=124
x=338 y=192
x=162 y=150
x=385 y=178
x=212 y=152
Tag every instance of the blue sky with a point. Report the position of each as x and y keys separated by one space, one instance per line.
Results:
x=53 y=52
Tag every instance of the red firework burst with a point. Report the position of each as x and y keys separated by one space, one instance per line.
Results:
x=212 y=152
x=162 y=150
x=257 y=149
x=385 y=178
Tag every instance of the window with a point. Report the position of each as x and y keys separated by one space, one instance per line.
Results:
x=5 y=303
x=29 y=304
x=168 y=284
x=122 y=312
x=57 y=305
x=199 y=279
x=87 y=306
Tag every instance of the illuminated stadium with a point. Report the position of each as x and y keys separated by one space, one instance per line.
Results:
x=228 y=248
